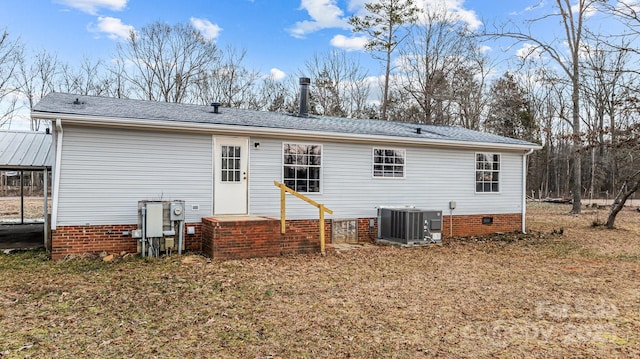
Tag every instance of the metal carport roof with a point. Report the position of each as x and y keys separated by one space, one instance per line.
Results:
x=25 y=150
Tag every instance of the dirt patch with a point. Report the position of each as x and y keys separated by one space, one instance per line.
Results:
x=573 y=294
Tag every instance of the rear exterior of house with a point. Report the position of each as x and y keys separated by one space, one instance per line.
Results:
x=112 y=153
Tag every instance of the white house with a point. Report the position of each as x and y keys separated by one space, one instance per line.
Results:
x=111 y=153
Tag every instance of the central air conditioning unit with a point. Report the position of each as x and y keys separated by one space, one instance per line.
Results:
x=410 y=225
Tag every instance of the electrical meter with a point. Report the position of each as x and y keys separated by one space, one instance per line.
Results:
x=176 y=210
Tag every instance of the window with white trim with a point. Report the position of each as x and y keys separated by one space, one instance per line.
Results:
x=487 y=172
x=302 y=165
x=388 y=162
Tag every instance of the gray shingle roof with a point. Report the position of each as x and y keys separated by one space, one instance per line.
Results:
x=25 y=150
x=58 y=103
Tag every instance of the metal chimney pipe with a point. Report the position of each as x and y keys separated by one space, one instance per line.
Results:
x=304 y=97
x=215 y=105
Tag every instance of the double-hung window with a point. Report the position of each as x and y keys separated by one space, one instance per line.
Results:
x=388 y=163
x=302 y=165
x=487 y=172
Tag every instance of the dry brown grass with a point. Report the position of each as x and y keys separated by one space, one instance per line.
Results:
x=570 y=295
x=33 y=207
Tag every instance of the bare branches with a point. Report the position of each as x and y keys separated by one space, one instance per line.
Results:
x=443 y=71
x=340 y=85
x=10 y=55
x=166 y=60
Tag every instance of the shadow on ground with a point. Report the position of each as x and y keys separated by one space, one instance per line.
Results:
x=21 y=236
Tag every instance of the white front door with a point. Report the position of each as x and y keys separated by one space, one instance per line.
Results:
x=230 y=193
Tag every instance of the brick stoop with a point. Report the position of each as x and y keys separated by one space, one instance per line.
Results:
x=249 y=237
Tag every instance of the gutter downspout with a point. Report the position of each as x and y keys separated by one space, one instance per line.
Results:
x=524 y=189
x=56 y=175
x=46 y=208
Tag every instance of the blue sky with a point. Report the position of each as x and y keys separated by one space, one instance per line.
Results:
x=279 y=35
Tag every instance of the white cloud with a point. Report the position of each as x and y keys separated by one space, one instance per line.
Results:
x=92 y=6
x=349 y=43
x=456 y=7
x=209 y=31
x=324 y=14
x=539 y=5
x=528 y=50
x=113 y=27
x=483 y=49
x=277 y=74
x=588 y=11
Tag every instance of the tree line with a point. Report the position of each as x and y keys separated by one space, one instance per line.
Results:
x=575 y=94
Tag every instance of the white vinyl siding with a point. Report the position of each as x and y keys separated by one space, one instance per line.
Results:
x=433 y=177
x=105 y=172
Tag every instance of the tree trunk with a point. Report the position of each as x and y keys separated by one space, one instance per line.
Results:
x=576 y=158
x=621 y=199
x=385 y=95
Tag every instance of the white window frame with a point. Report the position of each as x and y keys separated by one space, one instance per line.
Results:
x=382 y=176
x=321 y=172
x=484 y=172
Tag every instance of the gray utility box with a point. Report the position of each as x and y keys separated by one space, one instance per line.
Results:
x=411 y=225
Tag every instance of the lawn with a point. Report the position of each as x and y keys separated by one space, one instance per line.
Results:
x=566 y=289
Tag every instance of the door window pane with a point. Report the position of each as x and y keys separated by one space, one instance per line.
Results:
x=230 y=163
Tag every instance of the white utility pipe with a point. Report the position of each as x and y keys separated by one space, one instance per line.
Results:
x=524 y=189
x=143 y=240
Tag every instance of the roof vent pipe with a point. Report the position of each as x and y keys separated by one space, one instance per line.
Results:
x=216 y=106
x=304 y=97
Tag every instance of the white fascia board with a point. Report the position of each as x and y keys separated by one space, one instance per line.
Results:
x=272 y=132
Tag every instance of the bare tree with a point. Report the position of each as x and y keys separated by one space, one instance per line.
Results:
x=469 y=91
x=164 y=61
x=82 y=80
x=228 y=82
x=113 y=81
x=11 y=51
x=37 y=79
x=606 y=81
x=383 y=23
x=275 y=95
x=571 y=18
x=443 y=70
x=340 y=85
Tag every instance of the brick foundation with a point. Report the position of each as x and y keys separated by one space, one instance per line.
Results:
x=75 y=240
x=254 y=237
x=366 y=233
x=471 y=225
x=193 y=242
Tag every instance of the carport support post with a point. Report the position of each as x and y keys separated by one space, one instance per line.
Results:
x=46 y=209
x=21 y=196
